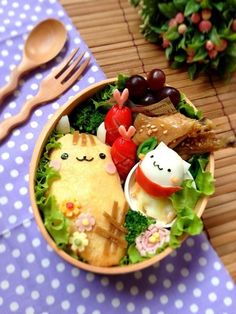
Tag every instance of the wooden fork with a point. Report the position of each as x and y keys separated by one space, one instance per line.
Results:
x=52 y=86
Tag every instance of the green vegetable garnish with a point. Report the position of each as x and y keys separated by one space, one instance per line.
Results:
x=188 y=110
x=136 y=223
x=146 y=146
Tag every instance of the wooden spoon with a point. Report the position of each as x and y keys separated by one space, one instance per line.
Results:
x=44 y=42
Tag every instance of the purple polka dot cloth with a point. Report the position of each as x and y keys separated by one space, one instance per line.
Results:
x=34 y=279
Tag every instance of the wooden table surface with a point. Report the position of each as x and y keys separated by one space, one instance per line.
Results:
x=111 y=30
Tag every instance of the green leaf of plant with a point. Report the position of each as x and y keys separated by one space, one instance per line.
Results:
x=167 y=9
x=191 y=7
x=172 y=34
x=205 y=182
x=180 y=58
x=201 y=54
x=180 y=4
x=231 y=50
x=214 y=36
x=168 y=52
x=192 y=69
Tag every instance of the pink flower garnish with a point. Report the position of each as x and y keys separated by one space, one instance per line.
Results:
x=85 y=222
x=154 y=237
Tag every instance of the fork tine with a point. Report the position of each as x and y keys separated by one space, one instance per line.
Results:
x=71 y=67
x=64 y=63
x=77 y=74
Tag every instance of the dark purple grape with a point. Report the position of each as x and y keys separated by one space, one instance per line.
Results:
x=156 y=79
x=170 y=92
x=148 y=99
x=137 y=86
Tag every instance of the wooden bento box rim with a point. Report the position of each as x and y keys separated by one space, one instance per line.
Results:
x=47 y=130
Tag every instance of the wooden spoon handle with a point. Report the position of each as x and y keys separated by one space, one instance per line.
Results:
x=10 y=123
x=15 y=75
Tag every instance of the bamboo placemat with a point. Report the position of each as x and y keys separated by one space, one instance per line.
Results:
x=111 y=30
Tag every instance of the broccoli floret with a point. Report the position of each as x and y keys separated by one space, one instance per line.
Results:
x=136 y=223
x=87 y=119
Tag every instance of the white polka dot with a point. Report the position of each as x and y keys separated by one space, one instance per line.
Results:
x=15 y=4
x=229 y=285
x=70 y=288
x=9 y=187
x=217 y=266
x=100 y=297
x=1 y=168
x=34 y=86
x=55 y=105
x=197 y=292
x=23 y=190
x=5 y=156
x=26 y=177
x=27 y=222
x=60 y=267
x=29 y=96
x=29 y=310
x=39 y=278
x=85 y=293
x=23 y=16
x=21 y=238
x=6 y=22
x=36 y=242
x=14 y=173
x=15 y=253
x=179 y=304
x=202 y=261
x=11 y=144
x=181 y=288
x=25 y=273
x=81 y=309
x=19 y=160
x=187 y=257
x=45 y=262
x=2 y=248
x=115 y=302
x=50 y=300
x=14 y=306
x=170 y=268
x=75 y=88
x=35 y=295
x=215 y=281
x=119 y=286
x=87 y=54
x=149 y=295
x=17 y=57
x=30 y=259
x=10 y=269
x=104 y=281
x=38 y=76
x=4 y=53
x=130 y=307
x=184 y=272
x=146 y=310
x=194 y=308
x=134 y=290
x=6 y=233
x=200 y=276
x=91 y=80
x=24 y=147
x=190 y=242
x=227 y=301
x=69 y=27
x=55 y=283
x=26 y=7
x=152 y=279
x=12 y=219
x=12 y=104
x=3 y=200
x=209 y=311
x=138 y=275
x=37 y=9
x=94 y=68
x=2 y=29
x=34 y=124
x=34 y=18
x=60 y=13
x=212 y=296
x=4 y=285
x=164 y=299
x=167 y=283
x=75 y=272
x=90 y=277
x=49 y=11
x=1 y=63
x=20 y=290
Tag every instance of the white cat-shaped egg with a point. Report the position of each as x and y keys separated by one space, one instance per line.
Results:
x=153 y=180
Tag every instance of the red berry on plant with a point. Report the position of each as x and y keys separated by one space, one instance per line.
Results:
x=156 y=79
x=233 y=25
x=206 y=14
x=165 y=43
x=172 y=23
x=204 y=26
x=209 y=45
x=212 y=54
x=182 y=29
x=195 y=18
x=222 y=46
x=179 y=17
